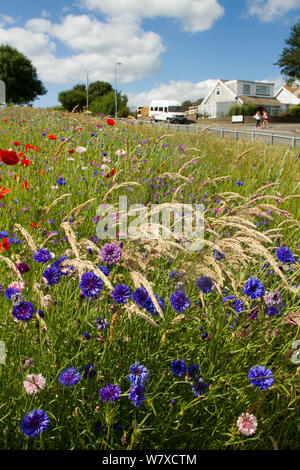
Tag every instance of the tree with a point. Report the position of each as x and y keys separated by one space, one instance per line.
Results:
x=99 y=88
x=20 y=77
x=71 y=98
x=289 y=60
x=106 y=105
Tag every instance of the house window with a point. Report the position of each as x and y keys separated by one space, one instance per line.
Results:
x=166 y=110
x=263 y=90
x=218 y=91
x=151 y=109
x=246 y=89
x=160 y=108
x=156 y=108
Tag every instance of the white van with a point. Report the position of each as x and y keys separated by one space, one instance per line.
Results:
x=166 y=110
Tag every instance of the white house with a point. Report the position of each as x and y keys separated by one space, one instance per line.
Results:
x=2 y=92
x=288 y=97
x=227 y=93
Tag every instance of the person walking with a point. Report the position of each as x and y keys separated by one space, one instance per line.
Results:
x=258 y=118
x=265 y=118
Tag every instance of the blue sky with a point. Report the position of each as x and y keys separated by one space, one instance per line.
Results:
x=168 y=48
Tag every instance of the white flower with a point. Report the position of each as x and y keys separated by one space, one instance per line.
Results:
x=81 y=149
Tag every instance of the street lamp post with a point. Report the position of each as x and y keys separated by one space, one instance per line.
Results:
x=116 y=102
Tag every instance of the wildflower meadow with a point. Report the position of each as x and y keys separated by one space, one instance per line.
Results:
x=136 y=342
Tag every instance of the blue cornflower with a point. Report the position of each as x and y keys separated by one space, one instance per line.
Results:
x=237 y=304
x=121 y=294
x=105 y=270
x=42 y=256
x=10 y=291
x=140 y=296
x=61 y=181
x=110 y=392
x=239 y=183
x=285 y=255
x=275 y=310
x=179 y=301
x=218 y=255
x=23 y=311
x=89 y=371
x=138 y=374
x=102 y=324
x=205 y=284
x=69 y=377
x=149 y=305
x=199 y=388
x=137 y=395
x=261 y=377
x=90 y=284
x=178 y=367
x=52 y=276
x=254 y=288
x=34 y=423
x=3 y=234
x=194 y=371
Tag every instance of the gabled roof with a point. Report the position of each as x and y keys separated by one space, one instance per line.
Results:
x=292 y=90
x=219 y=82
x=259 y=101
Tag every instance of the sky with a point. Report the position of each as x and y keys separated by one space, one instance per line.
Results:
x=168 y=49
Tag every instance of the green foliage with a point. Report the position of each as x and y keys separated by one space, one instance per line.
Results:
x=245 y=110
x=20 y=77
x=101 y=99
x=289 y=60
x=71 y=98
x=295 y=111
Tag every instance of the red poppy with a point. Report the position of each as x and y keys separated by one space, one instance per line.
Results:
x=21 y=154
x=9 y=157
x=5 y=120
x=4 y=245
x=28 y=146
x=63 y=114
x=25 y=185
x=113 y=171
x=16 y=177
x=71 y=151
x=4 y=191
x=17 y=143
x=26 y=162
x=110 y=122
x=34 y=225
x=52 y=137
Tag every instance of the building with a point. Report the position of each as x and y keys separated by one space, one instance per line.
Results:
x=143 y=112
x=227 y=93
x=2 y=93
x=288 y=97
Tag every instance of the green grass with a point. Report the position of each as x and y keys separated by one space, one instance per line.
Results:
x=225 y=357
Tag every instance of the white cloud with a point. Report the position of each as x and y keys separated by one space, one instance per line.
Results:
x=45 y=13
x=271 y=10
x=5 y=19
x=181 y=90
x=195 y=15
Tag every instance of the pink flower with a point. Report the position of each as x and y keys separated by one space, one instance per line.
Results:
x=34 y=383
x=247 y=424
x=17 y=285
x=81 y=149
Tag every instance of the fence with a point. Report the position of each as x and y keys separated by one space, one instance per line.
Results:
x=270 y=138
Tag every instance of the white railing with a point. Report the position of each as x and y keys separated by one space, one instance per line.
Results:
x=271 y=138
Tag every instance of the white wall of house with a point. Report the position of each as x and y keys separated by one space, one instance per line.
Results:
x=2 y=92
x=218 y=103
x=288 y=98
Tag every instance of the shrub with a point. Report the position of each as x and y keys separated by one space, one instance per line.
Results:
x=295 y=111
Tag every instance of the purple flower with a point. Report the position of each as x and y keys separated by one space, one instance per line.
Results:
x=285 y=255
x=90 y=284
x=239 y=183
x=149 y=305
x=110 y=253
x=138 y=374
x=89 y=371
x=194 y=371
x=273 y=299
x=254 y=288
x=102 y=324
x=23 y=267
x=178 y=367
x=52 y=276
x=34 y=423
x=23 y=311
x=237 y=304
x=69 y=377
x=121 y=294
x=137 y=395
x=10 y=291
x=179 y=301
x=199 y=388
x=261 y=377
x=110 y=392
x=42 y=256
x=205 y=284
x=140 y=296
